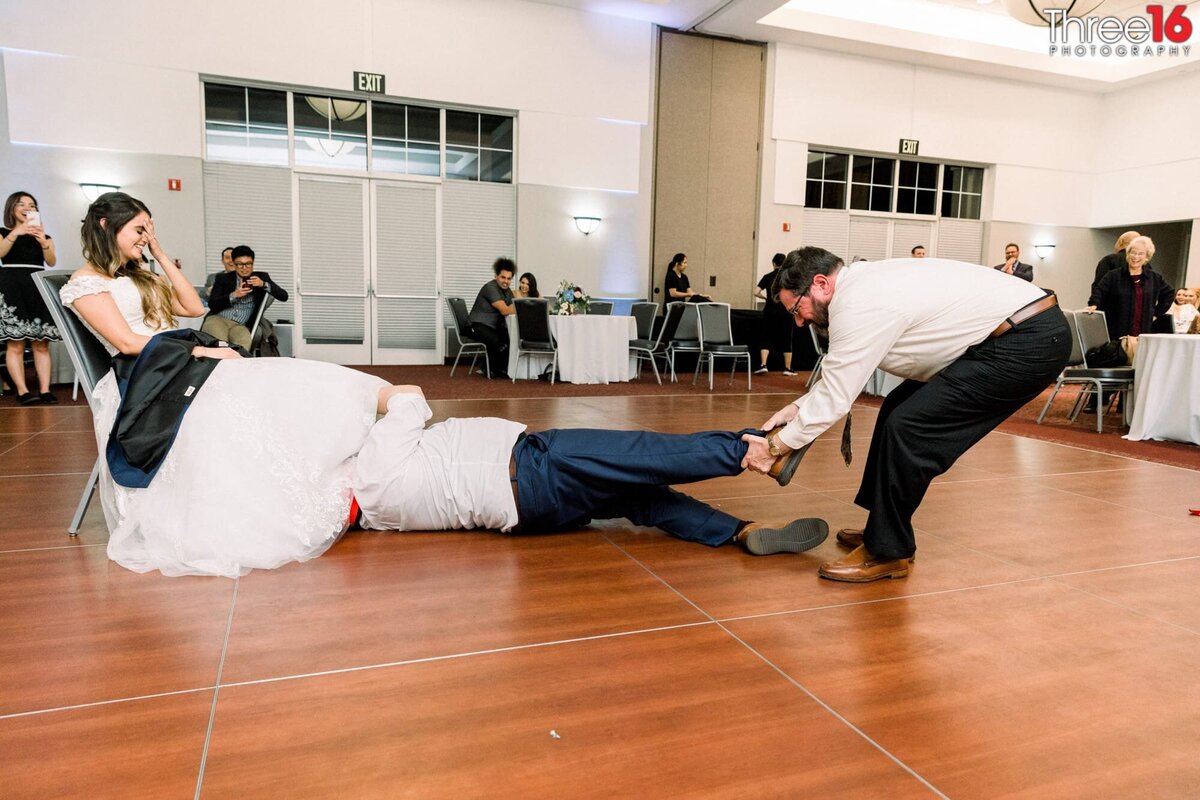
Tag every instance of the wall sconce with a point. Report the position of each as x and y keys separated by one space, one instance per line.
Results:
x=1043 y=251
x=587 y=225
x=93 y=190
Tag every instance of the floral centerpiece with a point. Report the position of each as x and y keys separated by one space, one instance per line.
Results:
x=569 y=299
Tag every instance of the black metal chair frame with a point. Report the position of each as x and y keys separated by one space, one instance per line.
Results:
x=816 y=370
x=657 y=347
x=458 y=313
x=91 y=361
x=1093 y=379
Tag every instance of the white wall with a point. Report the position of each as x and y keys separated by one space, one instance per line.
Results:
x=93 y=83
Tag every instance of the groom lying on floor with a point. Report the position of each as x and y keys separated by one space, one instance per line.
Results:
x=484 y=472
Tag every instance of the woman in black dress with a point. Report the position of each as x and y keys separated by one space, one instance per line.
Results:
x=777 y=323
x=23 y=314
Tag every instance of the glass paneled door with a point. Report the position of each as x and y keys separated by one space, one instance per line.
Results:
x=367 y=271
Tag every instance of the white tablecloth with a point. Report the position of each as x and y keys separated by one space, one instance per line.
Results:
x=592 y=348
x=1166 y=388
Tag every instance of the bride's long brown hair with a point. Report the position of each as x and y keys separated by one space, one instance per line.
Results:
x=100 y=249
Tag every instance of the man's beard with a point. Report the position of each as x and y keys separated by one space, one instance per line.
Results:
x=820 y=313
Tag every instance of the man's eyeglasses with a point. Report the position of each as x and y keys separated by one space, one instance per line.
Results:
x=243 y=263
x=795 y=309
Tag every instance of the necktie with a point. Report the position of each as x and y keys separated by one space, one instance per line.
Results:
x=847 y=453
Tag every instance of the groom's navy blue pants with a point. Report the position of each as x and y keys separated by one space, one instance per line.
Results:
x=569 y=476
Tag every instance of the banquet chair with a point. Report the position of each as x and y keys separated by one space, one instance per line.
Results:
x=256 y=325
x=687 y=337
x=650 y=348
x=91 y=361
x=816 y=370
x=644 y=314
x=458 y=312
x=533 y=333
x=601 y=307
x=1088 y=331
x=716 y=341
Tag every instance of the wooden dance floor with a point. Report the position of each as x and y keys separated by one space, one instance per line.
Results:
x=1046 y=643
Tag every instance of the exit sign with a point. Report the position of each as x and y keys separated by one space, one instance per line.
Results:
x=368 y=82
x=908 y=147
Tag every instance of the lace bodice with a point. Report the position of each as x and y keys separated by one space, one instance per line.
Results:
x=124 y=293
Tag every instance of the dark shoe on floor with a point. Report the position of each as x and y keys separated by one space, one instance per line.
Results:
x=860 y=566
x=28 y=399
x=49 y=399
x=785 y=466
x=850 y=538
x=764 y=539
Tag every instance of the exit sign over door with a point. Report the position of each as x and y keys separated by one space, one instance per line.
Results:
x=908 y=147
x=368 y=82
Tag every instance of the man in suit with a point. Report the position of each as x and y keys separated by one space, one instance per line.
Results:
x=236 y=298
x=1012 y=263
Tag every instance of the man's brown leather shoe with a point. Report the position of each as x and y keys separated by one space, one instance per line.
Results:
x=785 y=466
x=860 y=566
x=764 y=539
x=850 y=538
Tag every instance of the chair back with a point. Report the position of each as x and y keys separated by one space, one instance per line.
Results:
x=602 y=307
x=533 y=320
x=91 y=361
x=644 y=314
x=670 y=323
x=458 y=311
x=1076 y=350
x=1093 y=329
x=689 y=324
x=256 y=320
x=714 y=323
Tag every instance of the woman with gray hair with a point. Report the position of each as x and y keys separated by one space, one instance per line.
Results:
x=1133 y=297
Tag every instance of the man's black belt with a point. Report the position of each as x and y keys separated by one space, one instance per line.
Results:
x=1024 y=313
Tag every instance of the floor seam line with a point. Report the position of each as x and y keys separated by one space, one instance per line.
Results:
x=113 y=701
x=212 y=713
x=1135 y=611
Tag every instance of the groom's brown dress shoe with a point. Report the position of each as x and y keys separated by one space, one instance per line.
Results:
x=860 y=566
x=785 y=465
x=764 y=539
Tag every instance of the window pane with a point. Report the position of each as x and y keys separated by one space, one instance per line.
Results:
x=816 y=162
x=949 y=204
x=462 y=127
x=835 y=166
x=496 y=132
x=970 y=206
x=812 y=194
x=268 y=108
x=860 y=196
x=424 y=158
x=224 y=103
x=926 y=202
x=885 y=168
x=495 y=166
x=462 y=163
x=387 y=137
x=862 y=170
x=424 y=124
x=908 y=173
x=906 y=199
x=927 y=176
x=833 y=195
x=951 y=178
x=330 y=132
x=881 y=198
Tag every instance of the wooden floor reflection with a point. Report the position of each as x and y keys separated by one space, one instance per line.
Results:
x=1043 y=646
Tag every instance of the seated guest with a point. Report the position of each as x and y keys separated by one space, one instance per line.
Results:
x=236 y=297
x=918 y=251
x=1184 y=310
x=227 y=263
x=1012 y=263
x=492 y=305
x=679 y=288
x=527 y=286
x=487 y=473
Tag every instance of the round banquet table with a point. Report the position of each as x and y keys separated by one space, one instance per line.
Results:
x=1166 y=388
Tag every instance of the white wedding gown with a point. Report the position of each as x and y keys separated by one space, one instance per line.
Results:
x=259 y=473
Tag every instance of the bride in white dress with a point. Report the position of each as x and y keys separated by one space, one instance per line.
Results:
x=259 y=473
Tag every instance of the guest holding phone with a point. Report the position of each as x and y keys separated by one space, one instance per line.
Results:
x=25 y=249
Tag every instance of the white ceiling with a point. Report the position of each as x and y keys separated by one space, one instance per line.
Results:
x=962 y=35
